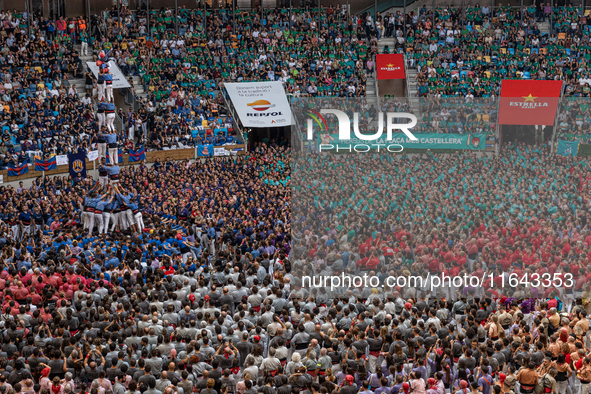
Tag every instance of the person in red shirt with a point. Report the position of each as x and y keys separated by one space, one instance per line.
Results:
x=35 y=297
x=21 y=293
x=39 y=284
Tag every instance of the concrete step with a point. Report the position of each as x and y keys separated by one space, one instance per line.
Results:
x=544 y=27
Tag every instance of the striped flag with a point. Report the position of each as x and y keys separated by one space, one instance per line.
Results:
x=137 y=155
x=45 y=165
x=119 y=159
x=18 y=169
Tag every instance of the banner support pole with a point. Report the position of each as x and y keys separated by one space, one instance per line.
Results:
x=176 y=16
x=404 y=24
x=551 y=16
x=319 y=22
x=558 y=108
x=498 y=129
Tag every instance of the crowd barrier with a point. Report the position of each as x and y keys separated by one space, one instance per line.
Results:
x=173 y=154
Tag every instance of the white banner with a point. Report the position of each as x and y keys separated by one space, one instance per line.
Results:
x=61 y=160
x=260 y=104
x=119 y=80
x=92 y=155
x=220 y=152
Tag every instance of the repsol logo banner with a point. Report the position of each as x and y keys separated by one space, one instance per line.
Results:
x=260 y=104
x=263 y=115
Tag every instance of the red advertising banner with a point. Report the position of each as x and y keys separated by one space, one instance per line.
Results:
x=528 y=102
x=390 y=66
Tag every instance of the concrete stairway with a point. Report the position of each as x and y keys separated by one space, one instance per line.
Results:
x=544 y=27
x=138 y=87
x=389 y=41
x=80 y=82
x=370 y=90
x=80 y=85
x=411 y=73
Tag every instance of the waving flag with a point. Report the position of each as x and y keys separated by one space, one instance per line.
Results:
x=77 y=165
x=45 y=165
x=137 y=155
x=567 y=148
x=120 y=158
x=18 y=169
x=205 y=150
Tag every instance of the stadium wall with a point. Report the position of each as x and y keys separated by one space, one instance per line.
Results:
x=80 y=7
x=176 y=154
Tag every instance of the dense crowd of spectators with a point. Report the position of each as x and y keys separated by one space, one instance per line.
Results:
x=210 y=295
x=457 y=52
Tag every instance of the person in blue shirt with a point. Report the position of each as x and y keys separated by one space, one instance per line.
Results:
x=110 y=119
x=113 y=174
x=88 y=208
x=108 y=212
x=100 y=116
x=25 y=221
x=137 y=213
x=115 y=214
x=37 y=219
x=109 y=86
x=103 y=172
x=113 y=261
x=129 y=206
x=101 y=203
x=184 y=247
x=92 y=203
x=100 y=86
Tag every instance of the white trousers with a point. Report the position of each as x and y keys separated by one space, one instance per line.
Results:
x=26 y=230
x=129 y=217
x=102 y=148
x=186 y=256
x=120 y=216
x=100 y=117
x=104 y=180
x=111 y=122
x=114 y=219
x=90 y=217
x=84 y=49
x=85 y=220
x=113 y=155
x=100 y=87
x=140 y=221
x=109 y=93
x=36 y=227
x=106 y=219
x=98 y=221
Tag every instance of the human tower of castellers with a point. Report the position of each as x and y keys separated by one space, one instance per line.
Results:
x=107 y=203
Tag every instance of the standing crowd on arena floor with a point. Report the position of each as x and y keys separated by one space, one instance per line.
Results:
x=186 y=276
